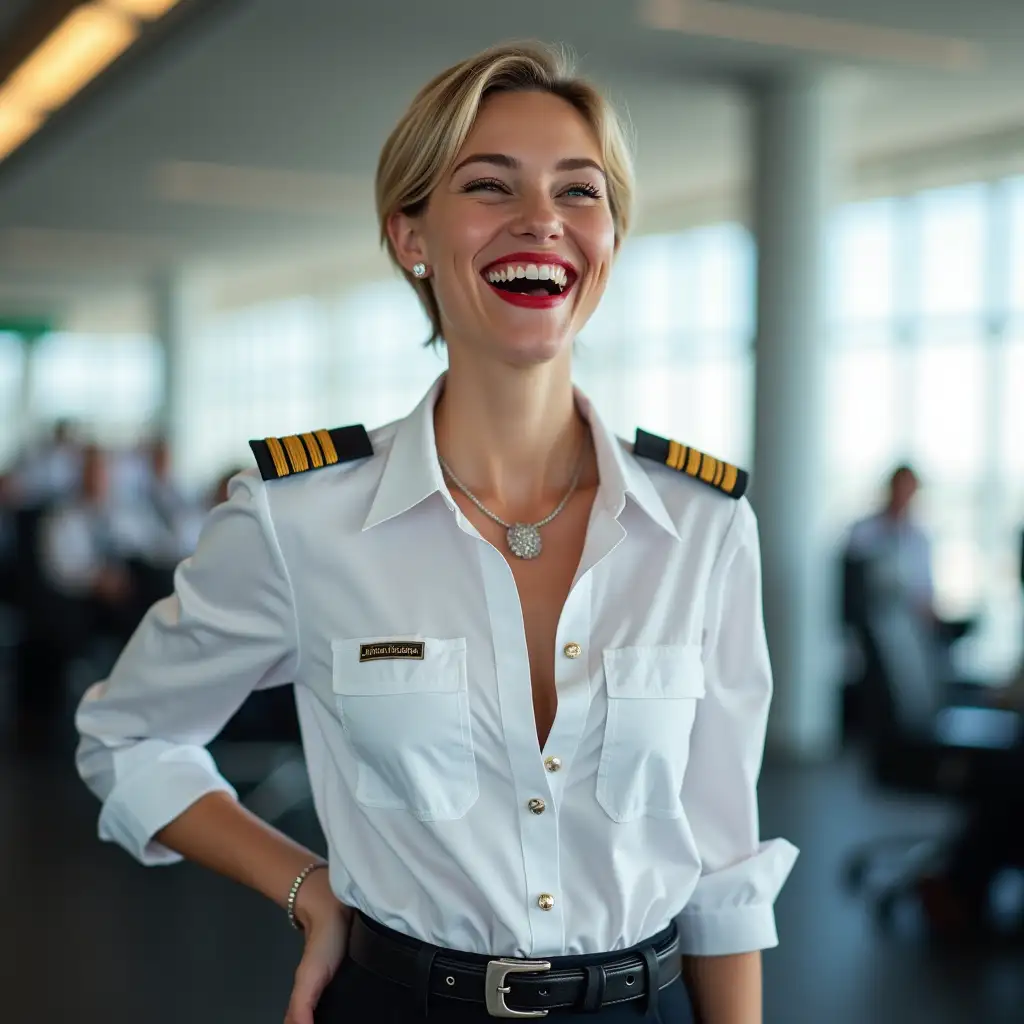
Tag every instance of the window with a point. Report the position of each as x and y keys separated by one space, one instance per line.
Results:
x=250 y=373
x=11 y=411
x=300 y=364
x=952 y=251
x=862 y=262
x=1016 y=219
x=1010 y=443
x=923 y=368
x=669 y=347
x=111 y=384
x=948 y=433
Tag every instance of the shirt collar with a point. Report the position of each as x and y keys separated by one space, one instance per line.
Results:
x=412 y=472
x=621 y=474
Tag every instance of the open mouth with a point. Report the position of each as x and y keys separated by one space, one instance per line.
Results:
x=526 y=283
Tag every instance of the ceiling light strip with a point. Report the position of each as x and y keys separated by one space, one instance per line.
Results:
x=81 y=46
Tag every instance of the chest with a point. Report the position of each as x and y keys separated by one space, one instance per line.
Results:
x=599 y=583
x=543 y=585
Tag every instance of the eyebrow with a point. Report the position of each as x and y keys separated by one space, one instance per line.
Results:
x=510 y=162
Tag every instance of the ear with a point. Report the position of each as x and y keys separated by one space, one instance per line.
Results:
x=406 y=236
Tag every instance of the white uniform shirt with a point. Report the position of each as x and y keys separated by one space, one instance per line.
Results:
x=900 y=555
x=423 y=770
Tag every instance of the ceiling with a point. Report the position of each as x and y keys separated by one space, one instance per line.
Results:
x=245 y=142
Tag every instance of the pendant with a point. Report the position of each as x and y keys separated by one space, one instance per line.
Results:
x=524 y=540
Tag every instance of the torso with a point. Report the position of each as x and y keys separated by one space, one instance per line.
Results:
x=543 y=584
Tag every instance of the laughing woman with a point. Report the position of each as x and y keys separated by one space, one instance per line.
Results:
x=528 y=657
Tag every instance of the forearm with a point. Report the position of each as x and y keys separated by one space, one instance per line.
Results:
x=725 y=989
x=218 y=833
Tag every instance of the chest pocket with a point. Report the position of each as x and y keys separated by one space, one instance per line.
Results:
x=409 y=725
x=652 y=700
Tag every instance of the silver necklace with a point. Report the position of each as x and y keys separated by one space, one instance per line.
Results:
x=523 y=538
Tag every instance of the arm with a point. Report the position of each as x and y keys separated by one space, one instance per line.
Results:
x=229 y=628
x=725 y=988
x=730 y=915
x=220 y=834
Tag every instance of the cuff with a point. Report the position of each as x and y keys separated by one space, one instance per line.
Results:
x=153 y=795
x=724 y=932
x=731 y=909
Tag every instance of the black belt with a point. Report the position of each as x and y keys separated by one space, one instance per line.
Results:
x=512 y=987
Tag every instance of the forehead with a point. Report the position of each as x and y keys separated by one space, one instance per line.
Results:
x=527 y=125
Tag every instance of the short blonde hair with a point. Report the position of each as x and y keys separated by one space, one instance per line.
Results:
x=425 y=142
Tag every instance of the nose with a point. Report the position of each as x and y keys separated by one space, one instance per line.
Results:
x=538 y=219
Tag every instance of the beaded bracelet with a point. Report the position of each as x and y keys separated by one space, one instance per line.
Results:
x=294 y=891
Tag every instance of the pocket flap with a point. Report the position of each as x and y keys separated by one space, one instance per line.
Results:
x=441 y=669
x=673 y=670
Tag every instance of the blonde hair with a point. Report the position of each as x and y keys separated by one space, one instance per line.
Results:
x=425 y=142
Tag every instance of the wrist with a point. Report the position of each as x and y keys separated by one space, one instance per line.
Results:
x=315 y=899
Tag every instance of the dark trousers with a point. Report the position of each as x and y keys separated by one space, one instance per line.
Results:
x=357 y=995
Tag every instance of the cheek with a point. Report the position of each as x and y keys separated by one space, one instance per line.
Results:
x=596 y=237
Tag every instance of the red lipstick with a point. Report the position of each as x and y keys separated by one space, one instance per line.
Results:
x=546 y=301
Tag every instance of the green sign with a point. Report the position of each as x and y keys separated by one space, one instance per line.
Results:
x=28 y=328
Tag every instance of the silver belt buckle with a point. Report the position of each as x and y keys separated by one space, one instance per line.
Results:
x=495 y=988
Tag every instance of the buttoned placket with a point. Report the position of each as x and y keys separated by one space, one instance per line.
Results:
x=532 y=777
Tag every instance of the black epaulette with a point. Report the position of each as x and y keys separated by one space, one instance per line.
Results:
x=299 y=453
x=724 y=476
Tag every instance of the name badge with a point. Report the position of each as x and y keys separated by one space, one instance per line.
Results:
x=392 y=651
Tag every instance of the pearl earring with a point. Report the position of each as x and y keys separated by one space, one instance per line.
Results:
x=419 y=270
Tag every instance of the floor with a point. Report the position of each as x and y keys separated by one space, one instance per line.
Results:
x=88 y=936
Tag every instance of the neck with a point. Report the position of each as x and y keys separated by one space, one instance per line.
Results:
x=513 y=436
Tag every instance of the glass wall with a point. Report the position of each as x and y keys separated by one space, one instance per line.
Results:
x=925 y=366
x=11 y=395
x=112 y=385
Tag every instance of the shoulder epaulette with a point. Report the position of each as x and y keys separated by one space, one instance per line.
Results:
x=299 y=453
x=724 y=476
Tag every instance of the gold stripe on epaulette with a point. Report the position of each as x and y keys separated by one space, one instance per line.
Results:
x=731 y=476
x=296 y=453
x=313 y=448
x=277 y=454
x=327 y=444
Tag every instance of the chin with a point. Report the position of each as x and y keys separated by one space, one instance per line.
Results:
x=533 y=349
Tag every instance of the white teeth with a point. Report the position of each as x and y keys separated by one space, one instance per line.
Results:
x=531 y=272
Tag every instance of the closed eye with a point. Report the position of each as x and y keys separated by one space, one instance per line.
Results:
x=486 y=185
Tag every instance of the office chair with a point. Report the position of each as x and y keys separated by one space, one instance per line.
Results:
x=916 y=744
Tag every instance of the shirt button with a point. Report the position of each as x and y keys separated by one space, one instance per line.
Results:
x=545 y=901
x=553 y=764
x=537 y=805
x=572 y=650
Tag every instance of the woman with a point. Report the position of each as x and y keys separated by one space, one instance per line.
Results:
x=529 y=663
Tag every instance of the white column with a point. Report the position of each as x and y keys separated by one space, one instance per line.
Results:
x=792 y=187
x=174 y=320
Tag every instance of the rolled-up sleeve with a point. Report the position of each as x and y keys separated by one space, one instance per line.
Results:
x=228 y=628
x=732 y=907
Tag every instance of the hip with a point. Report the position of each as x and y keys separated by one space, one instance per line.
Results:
x=392 y=979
